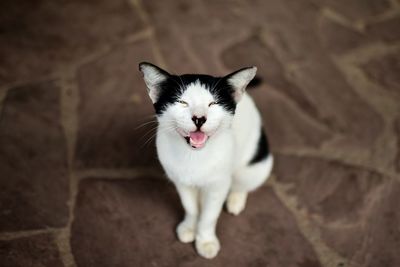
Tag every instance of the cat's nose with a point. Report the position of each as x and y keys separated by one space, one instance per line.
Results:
x=199 y=121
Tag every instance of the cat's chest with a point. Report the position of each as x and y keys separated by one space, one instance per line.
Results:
x=191 y=166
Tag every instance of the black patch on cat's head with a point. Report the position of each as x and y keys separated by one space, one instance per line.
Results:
x=171 y=90
x=165 y=89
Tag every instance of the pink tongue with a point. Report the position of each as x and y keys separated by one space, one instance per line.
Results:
x=198 y=138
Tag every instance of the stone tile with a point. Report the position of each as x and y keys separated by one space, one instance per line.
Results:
x=287 y=128
x=118 y=220
x=339 y=106
x=387 y=30
x=40 y=37
x=335 y=191
x=252 y=52
x=114 y=103
x=355 y=207
x=186 y=41
x=290 y=28
x=374 y=241
x=337 y=38
x=384 y=71
x=39 y=250
x=284 y=130
x=33 y=164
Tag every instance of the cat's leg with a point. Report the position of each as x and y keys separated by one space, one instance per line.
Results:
x=236 y=201
x=186 y=230
x=245 y=180
x=212 y=200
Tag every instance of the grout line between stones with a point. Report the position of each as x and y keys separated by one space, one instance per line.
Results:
x=137 y=5
x=27 y=233
x=326 y=256
x=332 y=15
x=69 y=120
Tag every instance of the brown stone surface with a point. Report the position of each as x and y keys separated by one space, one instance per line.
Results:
x=339 y=106
x=39 y=37
x=253 y=52
x=35 y=251
x=338 y=38
x=319 y=184
x=321 y=91
x=355 y=207
x=385 y=72
x=132 y=223
x=298 y=131
x=341 y=207
x=33 y=167
x=114 y=103
x=387 y=30
x=375 y=238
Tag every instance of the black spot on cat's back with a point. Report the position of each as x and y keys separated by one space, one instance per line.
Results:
x=262 y=151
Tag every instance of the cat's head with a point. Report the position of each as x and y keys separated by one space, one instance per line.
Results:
x=196 y=107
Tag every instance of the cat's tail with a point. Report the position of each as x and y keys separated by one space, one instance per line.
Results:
x=255 y=82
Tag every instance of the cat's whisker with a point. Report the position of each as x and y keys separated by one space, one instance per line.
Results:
x=144 y=124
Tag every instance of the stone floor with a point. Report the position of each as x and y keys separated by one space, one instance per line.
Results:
x=80 y=183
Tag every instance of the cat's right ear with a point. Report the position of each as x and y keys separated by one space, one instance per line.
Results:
x=153 y=77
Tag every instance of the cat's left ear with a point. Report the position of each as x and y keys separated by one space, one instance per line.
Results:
x=240 y=79
x=153 y=76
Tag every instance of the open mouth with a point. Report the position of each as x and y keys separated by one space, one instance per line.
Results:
x=196 y=139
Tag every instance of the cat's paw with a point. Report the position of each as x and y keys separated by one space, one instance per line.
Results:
x=186 y=233
x=207 y=248
x=236 y=202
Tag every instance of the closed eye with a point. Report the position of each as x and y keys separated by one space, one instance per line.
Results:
x=185 y=104
x=212 y=103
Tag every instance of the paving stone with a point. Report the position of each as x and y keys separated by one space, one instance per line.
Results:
x=252 y=52
x=385 y=72
x=38 y=250
x=321 y=185
x=131 y=223
x=339 y=106
x=183 y=39
x=291 y=28
x=40 y=37
x=286 y=127
x=284 y=130
x=358 y=218
x=113 y=104
x=337 y=38
x=387 y=30
x=374 y=241
x=33 y=164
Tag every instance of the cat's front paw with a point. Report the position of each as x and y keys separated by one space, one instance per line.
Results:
x=207 y=248
x=186 y=232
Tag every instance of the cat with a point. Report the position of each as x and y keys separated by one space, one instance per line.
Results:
x=211 y=144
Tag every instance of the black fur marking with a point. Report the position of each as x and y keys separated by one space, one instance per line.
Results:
x=262 y=149
x=172 y=88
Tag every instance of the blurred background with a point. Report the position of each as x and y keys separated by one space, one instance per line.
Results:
x=80 y=184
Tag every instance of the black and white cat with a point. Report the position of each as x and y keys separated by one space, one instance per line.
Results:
x=211 y=145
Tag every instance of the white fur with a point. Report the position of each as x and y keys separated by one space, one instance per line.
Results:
x=219 y=171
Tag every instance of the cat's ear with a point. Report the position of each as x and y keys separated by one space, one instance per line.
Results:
x=240 y=79
x=153 y=76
